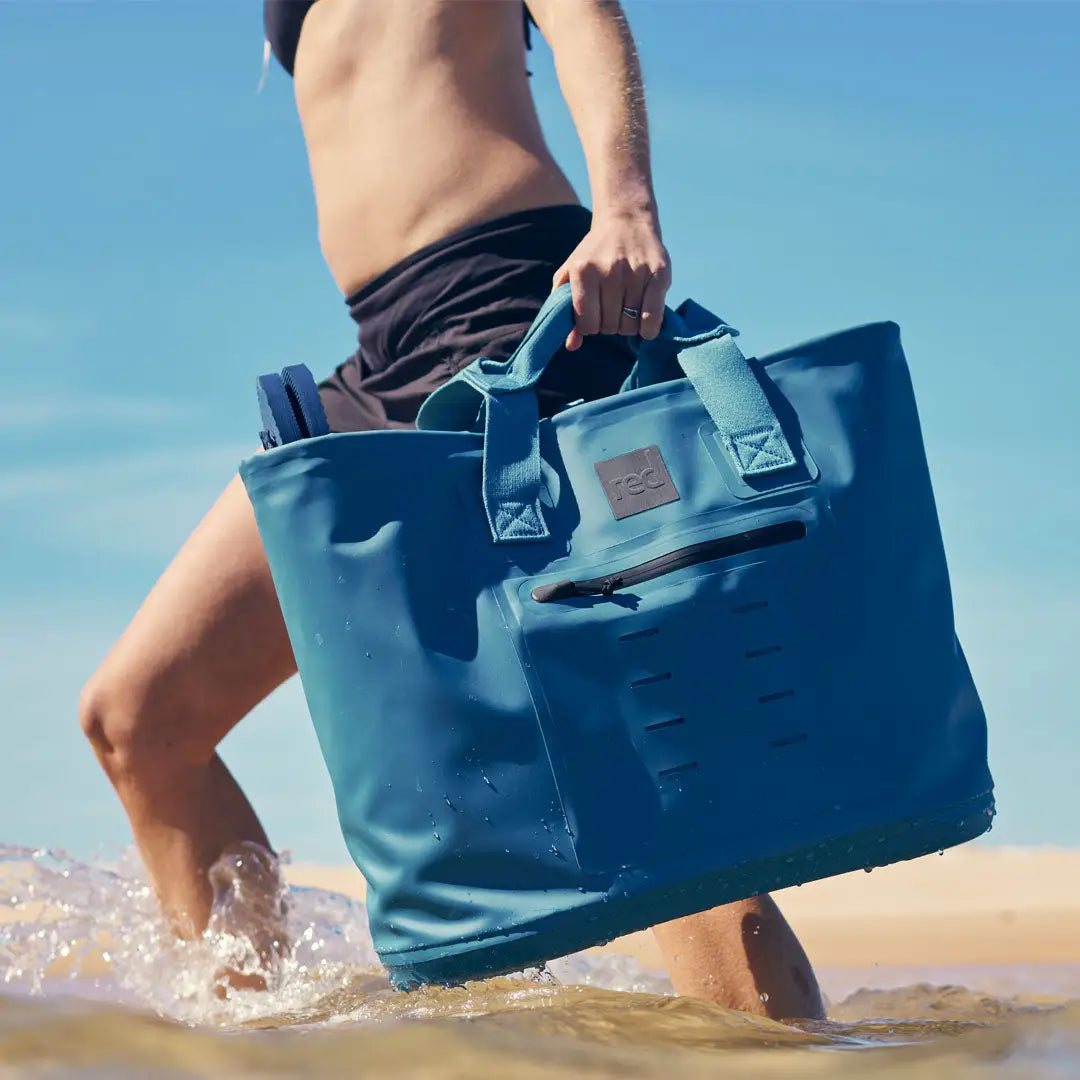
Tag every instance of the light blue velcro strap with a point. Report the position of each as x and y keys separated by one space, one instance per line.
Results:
x=512 y=473
x=448 y=407
x=511 y=485
x=544 y=338
x=729 y=390
x=455 y=406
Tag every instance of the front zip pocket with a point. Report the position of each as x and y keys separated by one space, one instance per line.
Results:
x=674 y=710
x=722 y=547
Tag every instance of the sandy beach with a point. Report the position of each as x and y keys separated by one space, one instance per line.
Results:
x=972 y=905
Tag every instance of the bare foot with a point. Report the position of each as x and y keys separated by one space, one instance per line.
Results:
x=247 y=918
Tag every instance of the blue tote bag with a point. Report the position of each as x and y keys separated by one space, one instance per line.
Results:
x=664 y=650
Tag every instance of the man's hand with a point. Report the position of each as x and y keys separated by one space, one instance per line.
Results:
x=619 y=276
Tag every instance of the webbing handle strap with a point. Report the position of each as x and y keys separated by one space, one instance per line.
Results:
x=502 y=394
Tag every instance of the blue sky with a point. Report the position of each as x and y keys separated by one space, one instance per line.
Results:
x=818 y=165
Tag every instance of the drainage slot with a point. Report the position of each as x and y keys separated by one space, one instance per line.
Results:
x=676 y=769
x=757 y=605
x=673 y=722
x=768 y=650
x=775 y=697
x=787 y=740
x=639 y=633
x=649 y=679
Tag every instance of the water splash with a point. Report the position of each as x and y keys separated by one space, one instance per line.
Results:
x=609 y=971
x=97 y=926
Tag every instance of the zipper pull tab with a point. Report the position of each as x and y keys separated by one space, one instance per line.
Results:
x=557 y=590
x=564 y=590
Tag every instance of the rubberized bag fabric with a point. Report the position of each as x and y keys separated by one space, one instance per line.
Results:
x=664 y=650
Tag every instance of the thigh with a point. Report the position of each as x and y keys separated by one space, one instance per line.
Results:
x=208 y=643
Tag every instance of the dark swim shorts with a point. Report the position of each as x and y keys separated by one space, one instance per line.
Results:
x=474 y=293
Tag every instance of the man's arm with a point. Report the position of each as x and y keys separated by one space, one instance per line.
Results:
x=622 y=263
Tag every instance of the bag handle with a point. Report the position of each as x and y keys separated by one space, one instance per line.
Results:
x=502 y=390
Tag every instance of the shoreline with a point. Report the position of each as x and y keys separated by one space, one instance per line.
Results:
x=974 y=905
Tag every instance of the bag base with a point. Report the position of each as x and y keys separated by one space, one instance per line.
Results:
x=643 y=907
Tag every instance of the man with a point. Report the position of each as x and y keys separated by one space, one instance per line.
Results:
x=445 y=221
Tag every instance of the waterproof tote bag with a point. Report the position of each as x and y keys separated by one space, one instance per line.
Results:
x=664 y=650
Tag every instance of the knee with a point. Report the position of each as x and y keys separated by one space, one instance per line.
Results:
x=133 y=727
x=111 y=723
x=93 y=713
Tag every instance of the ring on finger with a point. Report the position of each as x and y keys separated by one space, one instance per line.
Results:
x=632 y=312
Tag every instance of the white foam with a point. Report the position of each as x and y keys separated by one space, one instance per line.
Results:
x=81 y=913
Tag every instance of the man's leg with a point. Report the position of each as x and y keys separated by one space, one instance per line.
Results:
x=207 y=646
x=742 y=956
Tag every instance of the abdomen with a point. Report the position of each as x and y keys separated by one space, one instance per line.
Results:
x=419 y=121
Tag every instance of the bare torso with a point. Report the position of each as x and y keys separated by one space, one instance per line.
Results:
x=419 y=120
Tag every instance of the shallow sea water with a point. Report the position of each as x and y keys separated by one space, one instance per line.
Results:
x=92 y=985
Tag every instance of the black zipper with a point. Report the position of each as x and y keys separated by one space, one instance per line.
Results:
x=723 y=547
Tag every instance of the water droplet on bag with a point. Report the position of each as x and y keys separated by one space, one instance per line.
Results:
x=318 y=639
